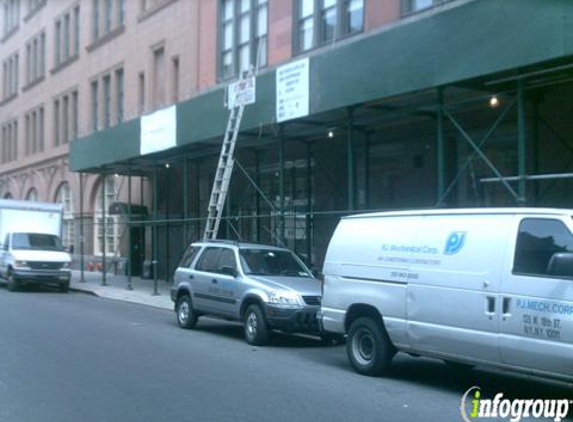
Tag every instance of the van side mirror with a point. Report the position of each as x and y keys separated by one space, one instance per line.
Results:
x=231 y=271
x=561 y=265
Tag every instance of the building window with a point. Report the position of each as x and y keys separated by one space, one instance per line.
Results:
x=64 y=197
x=67 y=35
x=320 y=22
x=243 y=36
x=112 y=97
x=35 y=58
x=112 y=232
x=107 y=15
x=95 y=106
x=10 y=68
x=119 y=94
x=106 y=101
x=141 y=92
x=9 y=142
x=175 y=80
x=11 y=16
x=66 y=117
x=32 y=195
x=34 y=5
x=34 y=131
x=158 y=86
x=413 y=6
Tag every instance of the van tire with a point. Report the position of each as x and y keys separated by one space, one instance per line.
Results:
x=12 y=283
x=186 y=316
x=368 y=347
x=256 y=327
x=65 y=287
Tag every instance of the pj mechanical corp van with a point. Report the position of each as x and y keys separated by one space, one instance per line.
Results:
x=469 y=286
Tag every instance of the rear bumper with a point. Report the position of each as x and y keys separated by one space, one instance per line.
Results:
x=39 y=276
x=293 y=320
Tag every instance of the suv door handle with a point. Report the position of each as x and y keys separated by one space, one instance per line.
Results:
x=214 y=281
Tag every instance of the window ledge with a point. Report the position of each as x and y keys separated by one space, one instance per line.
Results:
x=35 y=10
x=106 y=38
x=10 y=33
x=154 y=9
x=8 y=99
x=64 y=63
x=33 y=83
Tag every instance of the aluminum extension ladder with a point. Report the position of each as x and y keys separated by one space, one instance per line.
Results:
x=223 y=174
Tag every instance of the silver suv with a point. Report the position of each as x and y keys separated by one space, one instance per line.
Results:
x=265 y=287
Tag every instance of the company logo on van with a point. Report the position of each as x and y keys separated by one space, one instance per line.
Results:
x=473 y=407
x=455 y=243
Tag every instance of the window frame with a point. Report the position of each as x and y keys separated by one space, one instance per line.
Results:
x=253 y=42
x=341 y=29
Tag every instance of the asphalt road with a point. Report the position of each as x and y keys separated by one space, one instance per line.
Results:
x=77 y=358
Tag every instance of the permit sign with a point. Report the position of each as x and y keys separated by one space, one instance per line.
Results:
x=241 y=92
x=292 y=82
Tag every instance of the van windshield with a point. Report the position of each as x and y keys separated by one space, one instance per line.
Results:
x=39 y=241
x=272 y=262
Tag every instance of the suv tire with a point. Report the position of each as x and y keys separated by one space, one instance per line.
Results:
x=368 y=347
x=255 y=325
x=186 y=316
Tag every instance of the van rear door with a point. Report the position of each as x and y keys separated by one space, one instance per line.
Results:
x=537 y=297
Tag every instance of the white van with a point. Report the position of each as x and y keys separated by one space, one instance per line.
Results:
x=471 y=286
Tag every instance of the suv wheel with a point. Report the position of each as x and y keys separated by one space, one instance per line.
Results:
x=368 y=347
x=256 y=329
x=186 y=317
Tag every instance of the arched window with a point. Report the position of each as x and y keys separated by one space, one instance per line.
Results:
x=112 y=230
x=64 y=197
x=32 y=195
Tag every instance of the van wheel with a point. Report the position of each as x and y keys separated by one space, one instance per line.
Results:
x=12 y=283
x=256 y=328
x=368 y=347
x=65 y=287
x=186 y=316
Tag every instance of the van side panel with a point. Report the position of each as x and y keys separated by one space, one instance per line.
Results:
x=357 y=271
x=453 y=291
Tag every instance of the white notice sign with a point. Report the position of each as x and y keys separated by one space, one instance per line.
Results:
x=241 y=92
x=158 y=131
x=293 y=90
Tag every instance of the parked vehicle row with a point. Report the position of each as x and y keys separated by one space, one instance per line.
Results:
x=468 y=286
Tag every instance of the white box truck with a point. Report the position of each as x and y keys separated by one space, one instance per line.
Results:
x=468 y=286
x=31 y=249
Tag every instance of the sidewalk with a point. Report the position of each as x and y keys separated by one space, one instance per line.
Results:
x=116 y=289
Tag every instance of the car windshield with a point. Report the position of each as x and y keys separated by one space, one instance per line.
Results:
x=271 y=262
x=38 y=241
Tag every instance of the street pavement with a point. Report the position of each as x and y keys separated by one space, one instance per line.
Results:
x=80 y=358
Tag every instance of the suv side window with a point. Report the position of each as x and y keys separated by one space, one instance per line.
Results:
x=537 y=240
x=189 y=256
x=227 y=259
x=208 y=260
